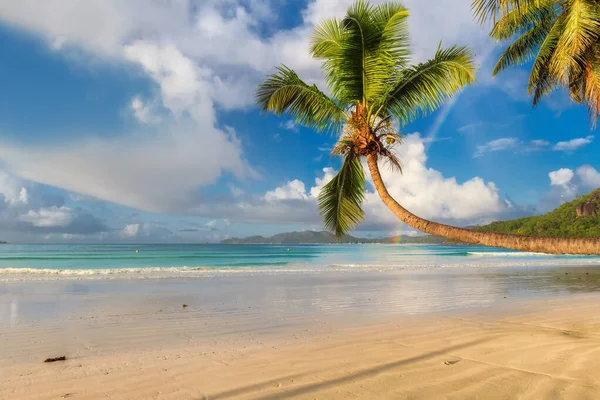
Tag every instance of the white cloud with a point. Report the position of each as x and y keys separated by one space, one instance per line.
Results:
x=421 y=189
x=566 y=185
x=236 y=191
x=130 y=230
x=573 y=144
x=293 y=190
x=289 y=125
x=142 y=111
x=590 y=177
x=11 y=190
x=23 y=196
x=533 y=145
x=155 y=171
x=561 y=176
x=328 y=174
x=496 y=145
x=427 y=193
x=48 y=217
x=145 y=232
x=540 y=143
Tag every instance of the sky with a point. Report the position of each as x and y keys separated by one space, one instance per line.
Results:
x=134 y=121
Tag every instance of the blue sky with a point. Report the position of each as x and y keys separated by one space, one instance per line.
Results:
x=133 y=121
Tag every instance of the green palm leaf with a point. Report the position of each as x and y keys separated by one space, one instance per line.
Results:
x=340 y=200
x=285 y=92
x=389 y=50
x=557 y=35
x=486 y=10
x=580 y=30
x=421 y=89
x=541 y=80
x=523 y=49
x=523 y=19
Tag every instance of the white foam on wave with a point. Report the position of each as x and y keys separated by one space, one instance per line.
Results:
x=41 y=274
x=106 y=271
x=508 y=254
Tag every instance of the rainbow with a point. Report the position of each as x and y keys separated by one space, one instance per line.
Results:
x=442 y=116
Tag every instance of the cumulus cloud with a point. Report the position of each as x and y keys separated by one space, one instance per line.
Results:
x=427 y=193
x=11 y=190
x=147 y=232
x=566 y=185
x=48 y=217
x=421 y=189
x=590 y=177
x=26 y=212
x=292 y=190
x=561 y=176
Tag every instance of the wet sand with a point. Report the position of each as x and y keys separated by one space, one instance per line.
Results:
x=498 y=334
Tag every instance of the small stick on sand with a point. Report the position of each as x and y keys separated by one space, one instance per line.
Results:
x=54 y=359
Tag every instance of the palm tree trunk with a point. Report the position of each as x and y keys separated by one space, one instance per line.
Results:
x=536 y=244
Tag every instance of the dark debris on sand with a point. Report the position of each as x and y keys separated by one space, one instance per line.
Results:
x=54 y=359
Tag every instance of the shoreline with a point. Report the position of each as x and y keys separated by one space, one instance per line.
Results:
x=507 y=332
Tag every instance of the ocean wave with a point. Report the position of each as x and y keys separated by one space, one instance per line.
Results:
x=522 y=254
x=101 y=271
x=44 y=274
x=511 y=254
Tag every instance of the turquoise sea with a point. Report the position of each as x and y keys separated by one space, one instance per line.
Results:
x=39 y=262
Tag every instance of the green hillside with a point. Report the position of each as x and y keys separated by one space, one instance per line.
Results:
x=579 y=218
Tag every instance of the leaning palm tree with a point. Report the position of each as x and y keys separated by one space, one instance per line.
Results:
x=562 y=37
x=373 y=91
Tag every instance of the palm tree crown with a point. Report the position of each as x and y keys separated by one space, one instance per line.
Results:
x=561 y=37
x=373 y=90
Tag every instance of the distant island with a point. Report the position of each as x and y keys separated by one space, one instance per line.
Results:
x=323 y=237
x=578 y=218
x=1 y=242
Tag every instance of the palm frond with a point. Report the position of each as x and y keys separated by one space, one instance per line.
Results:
x=580 y=29
x=345 y=67
x=542 y=80
x=391 y=19
x=591 y=87
x=423 y=88
x=285 y=93
x=491 y=10
x=340 y=200
x=523 y=49
x=327 y=39
x=523 y=19
x=387 y=49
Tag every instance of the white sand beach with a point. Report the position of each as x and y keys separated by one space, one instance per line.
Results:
x=146 y=345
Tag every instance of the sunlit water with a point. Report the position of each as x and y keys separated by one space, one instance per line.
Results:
x=261 y=282
x=44 y=262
